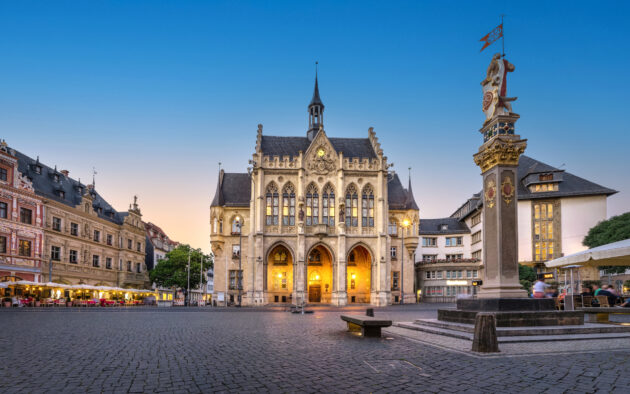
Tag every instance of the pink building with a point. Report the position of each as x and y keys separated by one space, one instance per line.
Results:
x=21 y=222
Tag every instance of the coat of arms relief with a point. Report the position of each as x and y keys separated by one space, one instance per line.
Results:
x=321 y=161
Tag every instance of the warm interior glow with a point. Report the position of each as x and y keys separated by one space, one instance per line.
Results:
x=405 y=223
x=354 y=276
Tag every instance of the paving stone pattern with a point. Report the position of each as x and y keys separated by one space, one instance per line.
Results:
x=270 y=351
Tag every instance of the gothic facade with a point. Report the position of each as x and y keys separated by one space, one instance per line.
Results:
x=316 y=219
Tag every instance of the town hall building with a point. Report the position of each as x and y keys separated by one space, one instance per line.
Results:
x=317 y=220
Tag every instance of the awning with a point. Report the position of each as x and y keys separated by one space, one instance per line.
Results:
x=616 y=253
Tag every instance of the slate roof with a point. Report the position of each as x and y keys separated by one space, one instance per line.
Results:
x=46 y=186
x=434 y=226
x=233 y=190
x=569 y=186
x=398 y=196
x=291 y=146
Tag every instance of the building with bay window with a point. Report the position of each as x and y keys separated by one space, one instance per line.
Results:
x=556 y=209
x=316 y=219
x=21 y=222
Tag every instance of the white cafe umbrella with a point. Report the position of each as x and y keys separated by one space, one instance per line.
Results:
x=616 y=253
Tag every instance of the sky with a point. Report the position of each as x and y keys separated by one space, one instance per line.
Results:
x=154 y=94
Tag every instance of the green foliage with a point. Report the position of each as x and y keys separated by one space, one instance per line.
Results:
x=526 y=276
x=626 y=283
x=173 y=270
x=617 y=228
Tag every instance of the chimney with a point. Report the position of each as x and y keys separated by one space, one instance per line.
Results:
x=65 y=173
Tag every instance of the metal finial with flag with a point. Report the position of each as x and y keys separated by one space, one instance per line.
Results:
x=491 y=37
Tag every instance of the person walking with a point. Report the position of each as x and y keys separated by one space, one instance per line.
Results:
x=539 y=288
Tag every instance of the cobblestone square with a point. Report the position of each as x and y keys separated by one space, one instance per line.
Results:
x=176 y=350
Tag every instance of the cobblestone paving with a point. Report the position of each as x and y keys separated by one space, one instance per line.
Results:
x=243 y=351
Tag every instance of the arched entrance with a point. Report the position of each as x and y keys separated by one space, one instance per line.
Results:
x=279 y=274
x=319 y=275
x=359 y=275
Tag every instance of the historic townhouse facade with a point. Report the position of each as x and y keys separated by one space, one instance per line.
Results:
x=21 y=222
x=555 y=211
x=86 y=239
x=316 y=219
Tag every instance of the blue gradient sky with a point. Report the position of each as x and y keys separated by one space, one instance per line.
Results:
x=155 y=93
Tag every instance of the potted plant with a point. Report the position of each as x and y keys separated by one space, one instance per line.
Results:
x=68 y=302
x=6 y=302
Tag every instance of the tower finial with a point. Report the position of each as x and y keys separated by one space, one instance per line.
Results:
x=315 y=110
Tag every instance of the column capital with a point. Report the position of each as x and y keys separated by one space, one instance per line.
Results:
x=503 y=150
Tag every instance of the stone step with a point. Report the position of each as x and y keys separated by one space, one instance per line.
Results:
x=587 y=328
x=435 y=330
x=514 y=338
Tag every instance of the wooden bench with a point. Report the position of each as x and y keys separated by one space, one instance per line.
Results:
x=600 y=315
x=368 y=326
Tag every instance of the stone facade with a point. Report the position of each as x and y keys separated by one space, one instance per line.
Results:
x=86 y=239
x=21 y=222
x=321 y=219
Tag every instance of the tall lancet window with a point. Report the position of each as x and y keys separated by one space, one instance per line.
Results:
x=288 y=205
x=352 y=207
x=312 y=205
x=367 y=207
x=271 y=213
x=328 y=205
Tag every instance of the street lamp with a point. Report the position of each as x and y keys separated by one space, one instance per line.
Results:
x=405 y=224
x=239 y=225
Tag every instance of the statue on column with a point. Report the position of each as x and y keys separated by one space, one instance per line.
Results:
x=494 y=87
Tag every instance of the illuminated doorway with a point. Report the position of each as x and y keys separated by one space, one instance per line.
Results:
x=279 y=275
x=319 y=275
x=359 y=275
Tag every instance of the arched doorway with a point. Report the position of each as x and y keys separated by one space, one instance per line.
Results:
x=279 y=274
x=359 y=275
x=319 y=275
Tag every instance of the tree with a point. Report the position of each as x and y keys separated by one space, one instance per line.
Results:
x=173 y=270
x=526 y=276
x=617 y=228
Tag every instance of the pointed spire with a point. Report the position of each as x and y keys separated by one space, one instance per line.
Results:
x=411 y=201
x=316 y=99
x=315 y=111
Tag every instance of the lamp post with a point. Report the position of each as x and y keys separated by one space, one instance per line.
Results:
x=405 y=224
x=201 y=281
x=238 y=274
x=188 y=274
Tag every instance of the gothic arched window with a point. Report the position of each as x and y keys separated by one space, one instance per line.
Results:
x=312 y=205
x=367 y=207
x=352 y=207
x=288 y=205
x=328 y=205
x=271 y=212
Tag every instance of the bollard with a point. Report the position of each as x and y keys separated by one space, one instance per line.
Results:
x=485 y=339
x=369 y=312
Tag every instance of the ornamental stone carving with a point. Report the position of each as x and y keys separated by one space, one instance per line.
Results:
x=502 y=150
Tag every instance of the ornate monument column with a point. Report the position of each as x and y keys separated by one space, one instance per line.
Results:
x=498 y=159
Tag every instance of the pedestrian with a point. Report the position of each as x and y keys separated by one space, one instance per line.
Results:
x=539 y=288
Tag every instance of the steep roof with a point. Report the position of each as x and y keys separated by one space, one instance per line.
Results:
x=46 y=186
x=435 y=226
x=233 y=190
x=291 y=146
x=316 y=100
x=398 y=196
x=569 y=185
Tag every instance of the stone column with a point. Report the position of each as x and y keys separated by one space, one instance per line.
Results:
x=498 y=159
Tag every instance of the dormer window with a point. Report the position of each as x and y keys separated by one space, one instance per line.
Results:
x=56 y=177
x=545 y=177
x=37 y=169
x=544 y=187
x=444 y=227
x=62 y=194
